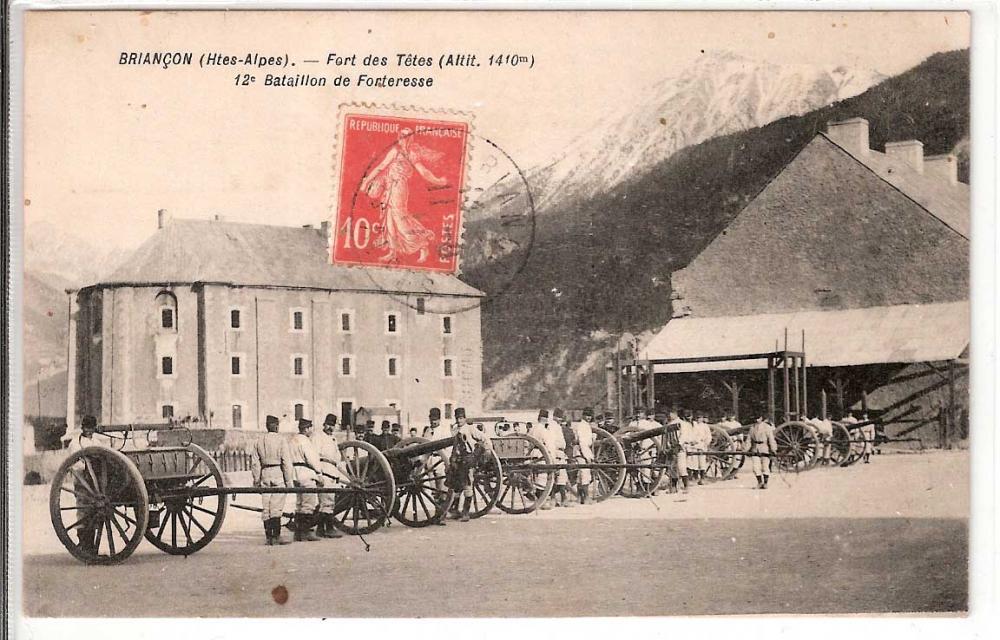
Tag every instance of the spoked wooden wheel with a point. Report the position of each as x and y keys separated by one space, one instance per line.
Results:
x=187 y=523
x=639 y=483
x=840 y=445
x=523 y=488
x=720 y=467
x=608 y=481
x=798 y=446
x=422 y=493
x=98 y=505
x=486 y=481
x=368 y=506
x=857 y=446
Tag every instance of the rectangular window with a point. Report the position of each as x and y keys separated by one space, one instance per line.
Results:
x=299 y=411
x=421 y=306
x=234 y=365
x=167 y=411
x=234 y=318
x=345 y=366
x=298 y=366
x=298 y=320
x=345 y=322
x=390 y=323
x=447 y=410
x=167 y=318
x=448 y=368
x=167 y=366
x=446 y=325
x=237 y=416
x=392 y=367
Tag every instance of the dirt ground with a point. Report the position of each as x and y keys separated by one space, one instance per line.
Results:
x=887 y=537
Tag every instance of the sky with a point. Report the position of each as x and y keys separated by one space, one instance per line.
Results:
x=107 y=145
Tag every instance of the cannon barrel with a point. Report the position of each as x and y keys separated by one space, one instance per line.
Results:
x=645 y=434
x=420 y=448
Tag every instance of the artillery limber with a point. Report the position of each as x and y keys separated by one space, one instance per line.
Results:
x=176 y=497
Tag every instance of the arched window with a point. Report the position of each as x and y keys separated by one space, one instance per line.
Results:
x=166 y=312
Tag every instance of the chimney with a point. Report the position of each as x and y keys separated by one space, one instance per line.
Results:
x=943 y=167
x=910 y=152
x=850 y=134
x=162 y=217
x=324 y=228
x=218 y=218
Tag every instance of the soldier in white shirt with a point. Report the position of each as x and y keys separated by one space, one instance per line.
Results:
x=584 y=452
x=307 y=464
x=271 y=466
x=331 y=462
x=702 y=441
x=868 y=433
x=760 y=440
x=689 y=441
x=825 y=430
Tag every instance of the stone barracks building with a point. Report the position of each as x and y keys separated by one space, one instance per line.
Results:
x=224 y=323
x=864 y=253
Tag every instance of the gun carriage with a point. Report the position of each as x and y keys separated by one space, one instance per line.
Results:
x=110 y=498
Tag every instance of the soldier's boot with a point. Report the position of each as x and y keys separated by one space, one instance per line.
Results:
x=268 y=533
x=760 y=483
x=684 y=480
x=565 y=497
x=556 y=497
x=330 y=531
x=701 y=477
x=764 y=485
x=276 y=532
x=584 y=493
x=306 y=527
x=465 y=509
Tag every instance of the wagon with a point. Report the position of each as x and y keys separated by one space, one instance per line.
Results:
x=104 y=501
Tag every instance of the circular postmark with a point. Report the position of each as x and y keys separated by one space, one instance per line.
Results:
x=492 y=241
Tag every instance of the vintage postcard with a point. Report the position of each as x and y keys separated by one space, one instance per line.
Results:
x=473 y=314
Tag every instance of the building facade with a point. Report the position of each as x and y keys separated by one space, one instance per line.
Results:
x=857 y=257
x=220 y=324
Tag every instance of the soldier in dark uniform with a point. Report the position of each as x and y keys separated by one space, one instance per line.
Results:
x=462 y=462
x=393 y=438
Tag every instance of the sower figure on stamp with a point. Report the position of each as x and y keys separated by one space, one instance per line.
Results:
x=331 y=462
x=271 y=466
x=461 y=465
x=307 y=465
x=760 y=440
x=388 y=185
x=583 y=452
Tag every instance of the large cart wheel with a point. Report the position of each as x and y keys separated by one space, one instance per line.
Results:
x=522 y=487
x=422 y=492
x=608 y=481
x=186 y=523
x=798 y=446
x=368 y=472
x=639 y=483
x=98 y=497
x=486 y=480
x=840 y=445
x=720 y=467
x=856 y=449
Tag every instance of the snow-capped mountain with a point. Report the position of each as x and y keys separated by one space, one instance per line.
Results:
x=720 y=93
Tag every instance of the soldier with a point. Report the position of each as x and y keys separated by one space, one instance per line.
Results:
x=684 y=431
x=413 y=432
x=868 y=433
x=331 y=462
x=394 y=437
x=88 y=436
x=824 y=428
x=760 y=440
x=434 y=431
x=307 y=465
x=556 y=444
x=462 y=461
x=703 y=442
x=583 y=452
x=689 y=441
x=271 y=466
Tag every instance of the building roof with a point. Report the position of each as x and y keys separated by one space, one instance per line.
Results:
x=873 y=335
x=256 y=255
x=947 y=202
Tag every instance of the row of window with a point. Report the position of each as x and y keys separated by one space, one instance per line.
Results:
x=167 y=411
x=297 y=321
x=298 y=367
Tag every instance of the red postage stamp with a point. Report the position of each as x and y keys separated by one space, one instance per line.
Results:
x=399 y=200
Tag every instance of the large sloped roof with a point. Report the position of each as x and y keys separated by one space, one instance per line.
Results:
x=947 y=202
x=894 y=334
x=255 y=255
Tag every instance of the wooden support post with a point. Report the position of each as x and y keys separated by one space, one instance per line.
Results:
x=786 y=400
x=805 y=394
x=864 y=401
x=796 y=370
x=651 y=401
x=770 y=389
x=822 y=404
x=952 y=427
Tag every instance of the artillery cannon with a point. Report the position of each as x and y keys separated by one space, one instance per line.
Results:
x=176 y=497
x=420 y=470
